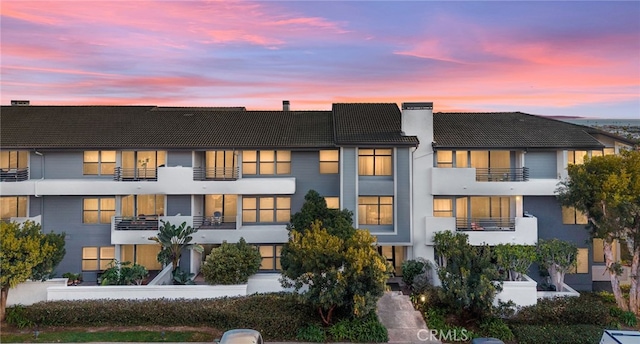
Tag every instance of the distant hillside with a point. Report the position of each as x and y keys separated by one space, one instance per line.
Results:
x=629 y=128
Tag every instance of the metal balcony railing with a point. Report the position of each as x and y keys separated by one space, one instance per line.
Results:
x=502 y=174
x=137 y=223
x=135 y=174
x=485 y=223
x=216 y=173
x=14 y=174
x=214 y=222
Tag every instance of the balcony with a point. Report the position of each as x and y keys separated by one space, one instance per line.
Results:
x=137 y=223
x=518 y=230
x=135 y=174
x=216 y=173
x=502 y=174
x=214 y=222
x=14 y=174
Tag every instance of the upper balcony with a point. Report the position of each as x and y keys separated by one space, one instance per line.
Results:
x=14 y=174
x=176 y=180
x=216 y=173
x=491 y=231
x=487 y=182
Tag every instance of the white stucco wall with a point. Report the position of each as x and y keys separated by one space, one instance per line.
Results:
x=31 y=292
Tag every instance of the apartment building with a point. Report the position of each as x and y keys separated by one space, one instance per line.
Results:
x=108 y=175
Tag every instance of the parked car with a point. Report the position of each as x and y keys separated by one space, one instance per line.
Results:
x=241 y=336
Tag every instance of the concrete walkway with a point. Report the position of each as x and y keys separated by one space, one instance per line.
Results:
x=404 y=324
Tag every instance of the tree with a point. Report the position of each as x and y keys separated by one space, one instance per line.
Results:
x=173 y=240
x=231 y=263
x=515 y=260
x=338 y=265
x=558 y=257
x=124 y=273
x=23 y=248
x=607 y=190
x=466 y=273
x=46 y=269
x=335 y=272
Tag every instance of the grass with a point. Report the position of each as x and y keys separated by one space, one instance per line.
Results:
x=83 y=336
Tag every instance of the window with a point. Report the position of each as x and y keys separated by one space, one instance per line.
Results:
x=609 y=151
x=220 y=164
x=375 y=210
x=142 y=164
x=145 y=255
x=375 y=162
x=576 y=157
x=99 y=162
x=570 y=216
x=444 y=159
x=270 y=257
x=333 y=202
x=13 y=206
x=137 y=205
x=442 y=207
x=227 y=205
x=266 y=209
x=97 y=258
x=11 y=160
x=329 y=161
x=582 y=261
x=98 y=210
x=266 y=162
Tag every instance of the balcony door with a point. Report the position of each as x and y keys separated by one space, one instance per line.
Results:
x=142 y=205
x=142 y=164
x=226 y=205
x=220 y=164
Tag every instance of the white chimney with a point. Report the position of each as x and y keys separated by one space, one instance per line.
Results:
x=285 y=105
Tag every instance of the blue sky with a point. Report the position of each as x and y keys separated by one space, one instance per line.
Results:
x=542 y=57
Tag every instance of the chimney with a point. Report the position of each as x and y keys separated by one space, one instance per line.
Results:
x=285 y=105
x=417 y=119
x=19 y=103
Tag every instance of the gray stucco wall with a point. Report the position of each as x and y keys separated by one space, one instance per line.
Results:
x=179 y=158
x=305 y=167
x=64 y=214
x=349 y=173
x=549 y=214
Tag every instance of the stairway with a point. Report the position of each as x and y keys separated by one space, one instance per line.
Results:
x=404 y=324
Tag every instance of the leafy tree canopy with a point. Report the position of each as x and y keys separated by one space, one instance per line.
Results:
x=337 y=222
x=173 y=240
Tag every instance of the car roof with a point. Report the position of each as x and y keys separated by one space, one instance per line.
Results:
x=240 y=336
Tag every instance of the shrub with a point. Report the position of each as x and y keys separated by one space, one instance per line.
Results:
x=231 y=263
x=557 y=334
x=585 y=309
x=124 y=273
x=311 y=333
x=16 y=316
x=497 y=328
x=514 y=260
x=416 y=274
x=365 y=330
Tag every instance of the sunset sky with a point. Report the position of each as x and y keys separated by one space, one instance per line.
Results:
x=550 y=58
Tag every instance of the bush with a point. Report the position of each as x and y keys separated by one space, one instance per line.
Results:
x=416 y=274
x=311 y=333
x=231 y=263
x=124 y=273
x=585 y=309
x=496 y=328
x=277 y=315
x=364 y=330
x=557 y=334
x=16 y=316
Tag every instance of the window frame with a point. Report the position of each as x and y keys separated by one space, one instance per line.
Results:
x=378 y=157
x=363 y=208
x=103 y=168
x=276 y=213
x=21 y=204
x=276 y=251
x=279 y=163
x=102 y=258
x=99 y=211
x=571 y=216
x=329 y=164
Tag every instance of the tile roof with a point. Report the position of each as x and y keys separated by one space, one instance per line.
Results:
x=152 y=127
x=369 y=124
x=508 y=130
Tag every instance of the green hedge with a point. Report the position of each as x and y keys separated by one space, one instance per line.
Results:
x=587 y=309
x=276 y=316
x=557 y=334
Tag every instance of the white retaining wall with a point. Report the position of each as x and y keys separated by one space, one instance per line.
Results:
x=522 y=293
x=31 y=292
x=134 y=292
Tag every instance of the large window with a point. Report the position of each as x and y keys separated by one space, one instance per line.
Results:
x=12 y=160
x=582 y=261
x=475 y=159
x=139 y=205
x=329 y=161
x=442 y=207
x=270 y=257
x=98 y=210
x=97 y=258
x=99 y=162
x=375 y=162
x=145 y=255
x=266 y=162
x=571 y=216
x=220 y=164
x=13 y=206
x=266 y=209
x=375 y=210
x=142 y=164
x=227 y=205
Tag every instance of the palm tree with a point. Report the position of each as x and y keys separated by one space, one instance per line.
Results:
x=173 y=240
